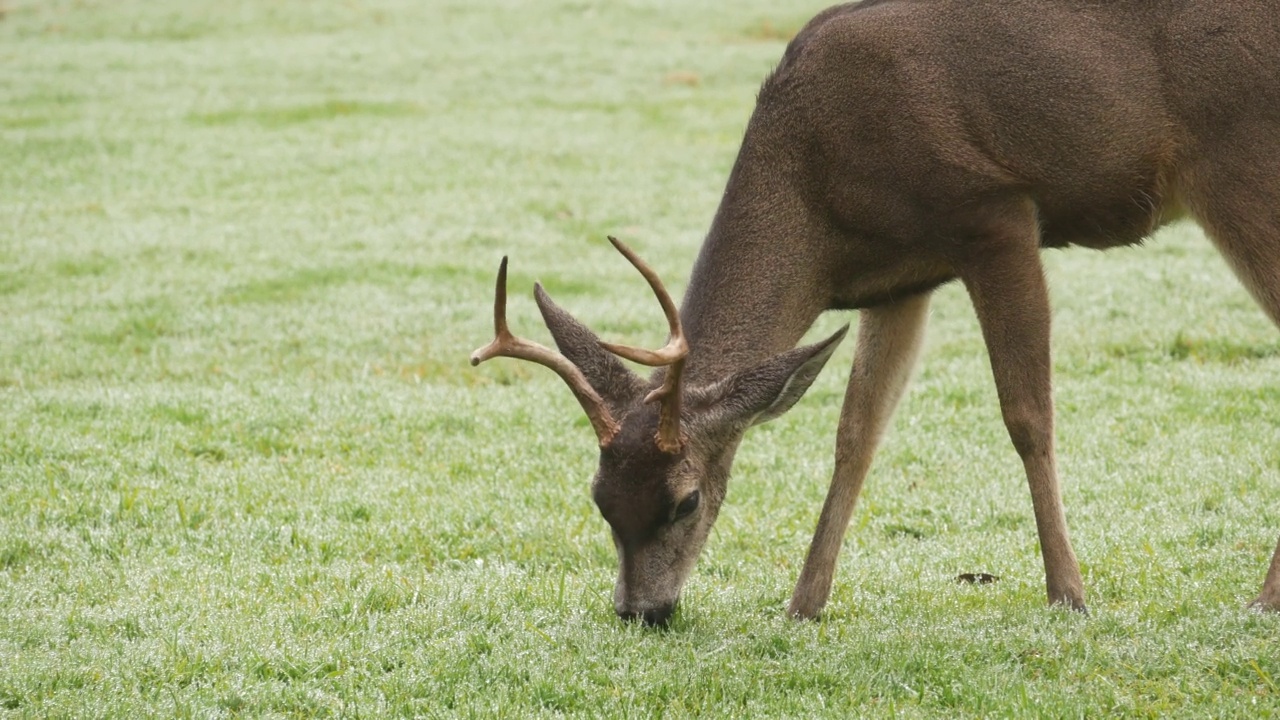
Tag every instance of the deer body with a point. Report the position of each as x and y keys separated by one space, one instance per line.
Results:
x=900 y=145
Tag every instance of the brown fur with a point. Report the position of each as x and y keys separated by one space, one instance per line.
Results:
x=902 y=144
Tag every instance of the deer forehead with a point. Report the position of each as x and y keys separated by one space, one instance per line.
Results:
x=637 y=488
x=629 y=471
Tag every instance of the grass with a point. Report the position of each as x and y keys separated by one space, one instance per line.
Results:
x=245 y=249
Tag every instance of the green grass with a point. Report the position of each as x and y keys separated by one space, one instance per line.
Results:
x=246 y=470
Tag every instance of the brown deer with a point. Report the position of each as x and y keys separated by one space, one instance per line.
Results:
x=900 y=145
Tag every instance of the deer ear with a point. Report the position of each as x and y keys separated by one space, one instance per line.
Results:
x=762 y=393
x=616 y=384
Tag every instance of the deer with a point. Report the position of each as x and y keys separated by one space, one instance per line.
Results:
x=897 y=146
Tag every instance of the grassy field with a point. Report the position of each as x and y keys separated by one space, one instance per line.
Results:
x=246 y=470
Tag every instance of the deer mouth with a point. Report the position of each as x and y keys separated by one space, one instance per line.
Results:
x=651 y=617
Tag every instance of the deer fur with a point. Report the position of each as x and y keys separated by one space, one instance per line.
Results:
x=903 y=144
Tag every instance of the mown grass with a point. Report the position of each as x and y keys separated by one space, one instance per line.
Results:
x=245 y=248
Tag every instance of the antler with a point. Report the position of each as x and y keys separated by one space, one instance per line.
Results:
x=671 y=356
x=507 y=345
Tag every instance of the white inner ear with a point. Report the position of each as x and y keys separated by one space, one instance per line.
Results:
x=766 y=414
x=784 y=400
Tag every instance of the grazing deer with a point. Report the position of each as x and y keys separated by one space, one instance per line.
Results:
x=900 y=145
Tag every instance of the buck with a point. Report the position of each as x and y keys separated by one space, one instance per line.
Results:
x=900 y=145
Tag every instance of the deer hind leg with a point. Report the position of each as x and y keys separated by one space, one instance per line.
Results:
x=888 y=344
x=1005 y=280
x=1238 y=205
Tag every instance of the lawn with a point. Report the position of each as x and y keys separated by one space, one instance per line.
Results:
x=246 y=470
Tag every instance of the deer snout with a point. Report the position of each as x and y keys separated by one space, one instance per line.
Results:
x=653 y=617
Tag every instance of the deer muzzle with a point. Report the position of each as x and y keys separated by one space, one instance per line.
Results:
x=653 y=617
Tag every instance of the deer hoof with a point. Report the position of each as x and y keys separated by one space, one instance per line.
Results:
x=801 y=610
x=1072 y=604
x=1266 y=602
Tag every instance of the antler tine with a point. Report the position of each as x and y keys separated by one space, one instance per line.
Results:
x=505 y=344
x=676 y=347
x=672 y=356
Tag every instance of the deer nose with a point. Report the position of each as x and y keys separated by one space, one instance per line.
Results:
x=653 y=617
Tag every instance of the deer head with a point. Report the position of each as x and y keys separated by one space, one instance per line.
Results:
x=665 y=447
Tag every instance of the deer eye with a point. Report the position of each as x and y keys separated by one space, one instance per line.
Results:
x=687 y=505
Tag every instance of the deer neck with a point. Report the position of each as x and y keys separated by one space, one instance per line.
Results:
x=756 y=286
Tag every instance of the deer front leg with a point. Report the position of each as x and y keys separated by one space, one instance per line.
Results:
x=888 y=344
x=1006 y=283
x=1269 y=598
